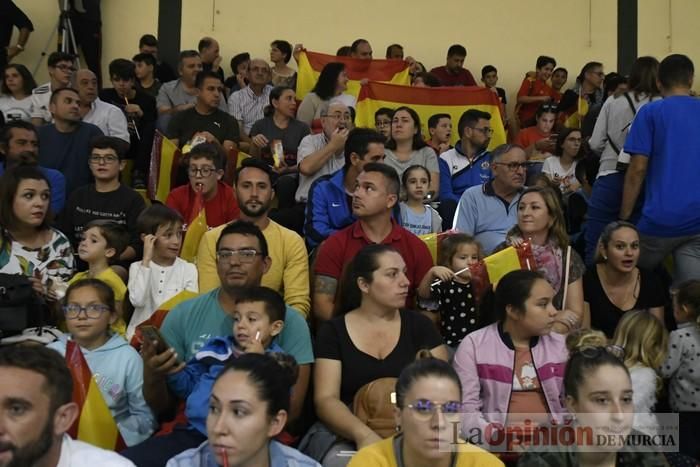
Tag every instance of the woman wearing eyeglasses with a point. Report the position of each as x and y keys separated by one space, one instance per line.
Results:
x=587 y=92
x=598 y=394
x=28 y=244
x=373 y=338
x=541 y=223
x=511 y=371
x=428 y=404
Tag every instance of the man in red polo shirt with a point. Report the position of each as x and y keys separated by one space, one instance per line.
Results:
x=376 y=193
x=454 y=73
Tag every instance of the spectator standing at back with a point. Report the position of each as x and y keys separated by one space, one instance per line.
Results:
x=61 y=69
x=146 y=80
x=453 y=72
x=664 y=146
x=148 y=44
x=11 y=15
x=534 y=91
x=211 y=59
x=362 y=49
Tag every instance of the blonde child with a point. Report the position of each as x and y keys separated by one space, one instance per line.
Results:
x=416 y=216
x=645 y=342
x=459 y=312
x=116 y=367
x=682 y=365
x=161 y=274
x=102 y=244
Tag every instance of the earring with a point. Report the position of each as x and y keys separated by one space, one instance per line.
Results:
x=397 y=428
x=605 y=257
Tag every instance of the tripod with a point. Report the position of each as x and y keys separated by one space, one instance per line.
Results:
x=64 y=28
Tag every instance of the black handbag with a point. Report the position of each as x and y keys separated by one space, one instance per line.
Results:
x=19 y=307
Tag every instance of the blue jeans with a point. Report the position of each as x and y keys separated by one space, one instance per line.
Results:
x=604 y=208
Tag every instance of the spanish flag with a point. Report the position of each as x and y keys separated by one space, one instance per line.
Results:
x=430 y=101
x=432 y=241
x=311 y=64
x=163 y=167
x=487 y=272
x=196 y=228
x=95 y=424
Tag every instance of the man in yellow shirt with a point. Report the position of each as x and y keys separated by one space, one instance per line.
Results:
x=289 y=272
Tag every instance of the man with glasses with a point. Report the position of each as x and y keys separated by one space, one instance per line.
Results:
x=465 y=165
x=106 y=199
x=61 y=69
x=489 y=210
x=241 y=259
x=289 y=272
x=205 y=168
x=65 y=143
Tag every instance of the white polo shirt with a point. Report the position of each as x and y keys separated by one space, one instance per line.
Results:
x=108 y=118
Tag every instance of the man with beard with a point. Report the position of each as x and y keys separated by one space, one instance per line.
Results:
x=289 y=272
x=488 y=211
x=242 y=257
x=19 y=144
x=65 y=144
x=37 y=411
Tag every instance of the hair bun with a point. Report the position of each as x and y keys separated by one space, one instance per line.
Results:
x=289 y=365
x=585 y=338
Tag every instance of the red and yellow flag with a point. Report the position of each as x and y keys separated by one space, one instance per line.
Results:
x=95 y=424
x=311 y=64
x=430 y=101
x=196 y=228
x=487 y=272
x=432 y=241
x=163 y=157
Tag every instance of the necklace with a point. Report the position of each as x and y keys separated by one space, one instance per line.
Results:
x=630 y=294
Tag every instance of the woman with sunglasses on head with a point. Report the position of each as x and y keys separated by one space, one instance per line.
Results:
x=512 y=369
x=538 y=141
x=599 y=393
x=16 y=96
x=541 y=224
x=428 y=404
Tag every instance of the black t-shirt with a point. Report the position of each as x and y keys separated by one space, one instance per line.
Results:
x=141 y=129
x=605 y=315
x=358 y=368
x=11 y=15
x=185 y=124
x=86 y=204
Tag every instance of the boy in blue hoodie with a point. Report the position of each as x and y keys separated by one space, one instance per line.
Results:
x=257 y=320
x=116 y=367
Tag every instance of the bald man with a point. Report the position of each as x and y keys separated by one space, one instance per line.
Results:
x=248 y=104
x=107 y=117
x=211 y=59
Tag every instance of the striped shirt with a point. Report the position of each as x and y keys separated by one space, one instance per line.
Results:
x=247 y=107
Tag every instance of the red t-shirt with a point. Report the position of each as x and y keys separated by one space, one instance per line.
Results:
x=341 y=247
x=531 y=87
x=463 y=78
x=222 y=208
x=528 y=136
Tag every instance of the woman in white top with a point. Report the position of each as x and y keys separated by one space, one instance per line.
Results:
x=561 y=167
x=17 y=86
x=608 y=139
x=407 y=147
x=331 y=84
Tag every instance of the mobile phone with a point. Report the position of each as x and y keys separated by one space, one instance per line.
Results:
x=152 y=334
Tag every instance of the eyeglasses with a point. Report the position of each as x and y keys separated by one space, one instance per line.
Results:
x=592 y=352
x=245 y=255
x=103 y=159
x=338 y=116
x=486 y=130
x=382 y=123
x=549 y=108
x=513 y=166
x=425 y=409
x=205 y=171
x=65 y=68
x=92 y=311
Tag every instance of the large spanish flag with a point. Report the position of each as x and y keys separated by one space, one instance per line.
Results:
x=196 y=228
x=430 y=101
x=311 y=64
x=95 y=424
x=163 y=156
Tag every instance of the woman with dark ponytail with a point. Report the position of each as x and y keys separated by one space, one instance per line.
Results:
x=248 y=407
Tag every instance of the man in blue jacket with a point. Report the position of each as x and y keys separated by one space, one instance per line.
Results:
x=465 y=165
x=328 y=204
